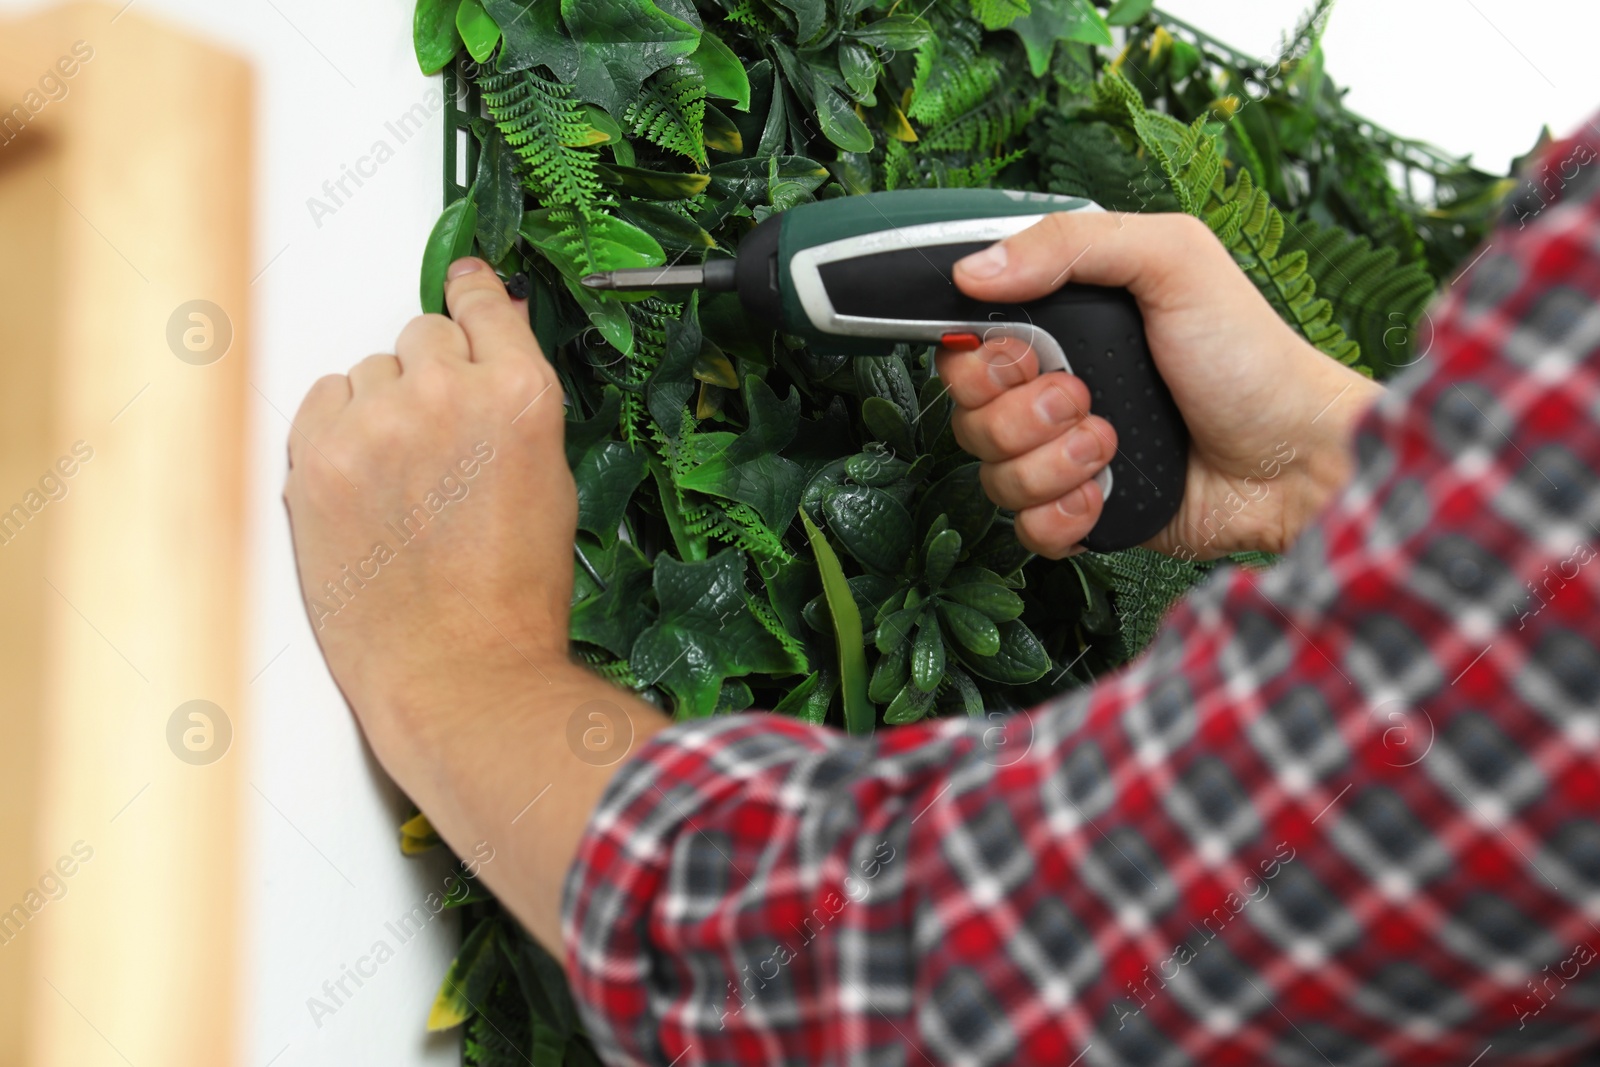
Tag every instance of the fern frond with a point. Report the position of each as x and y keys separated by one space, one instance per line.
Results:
x=497 y=1035
x=544 y=125
x=984 y=125
x=733 y=523
x=1090 y=159
x=998 y=14
x=899 y=165
x=1145 y=585
x=768 y=618
x=650 y=317
x=609 y=667
x=975 y=175
x=962 y=79
x=1374 y=297
x=671 y=111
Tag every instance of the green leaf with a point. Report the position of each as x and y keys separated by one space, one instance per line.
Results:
x=468 y=981
x=888 y=377
x=891 y=674
x=607 y=316
x=860 y=68
x=971 y=629
x=808 y=15
x=615 y=616
x=579 y=245
x=909 y=705
x=607 y=476
x=1058 y=20
x=971 y=699
x=671 y=230
x=532 y=36
x=858 y=713
x=871 y=525
x=623 y=43
x=607 y=130
x=749 y=468
x=719 y=131
x=958 y=495
x=994 y=601
x=705 y=634
x=875 y=468
x=652 y=184
x=840 y=123
x=927 y=655
x=724 y=74
x=542 y=981
x=749 y=181
x=498 y=196
x=450 y=240
x=785 y=190
x=1127 y=12
x=434 y=33
x=898 y=32
x=478 y=31
x=1021 y=658
x=888 y=424
x=896 y=628
x=941 y=557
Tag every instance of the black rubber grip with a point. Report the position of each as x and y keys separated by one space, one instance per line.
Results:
x=1101 y=333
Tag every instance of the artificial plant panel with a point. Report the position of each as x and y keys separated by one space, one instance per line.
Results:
x=799 y=527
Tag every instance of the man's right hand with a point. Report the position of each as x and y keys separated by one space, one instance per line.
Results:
x=1269 y=416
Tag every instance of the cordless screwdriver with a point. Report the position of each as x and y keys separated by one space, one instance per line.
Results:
x=859 y=274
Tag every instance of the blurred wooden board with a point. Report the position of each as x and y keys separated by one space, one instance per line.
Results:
x=125 y=194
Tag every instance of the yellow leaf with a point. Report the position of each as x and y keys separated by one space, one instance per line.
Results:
x=1225 y=107
x=1160 y=41
x=591 y=136
x=468 y=981
x=714 y=367
x=898 y=127
x=417 y=836
x=709 y=402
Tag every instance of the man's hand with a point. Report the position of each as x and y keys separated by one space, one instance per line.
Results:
x=1268 y=414
x=433 y=516
x=433 y=511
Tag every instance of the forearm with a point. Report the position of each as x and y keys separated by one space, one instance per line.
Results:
x=519 y=760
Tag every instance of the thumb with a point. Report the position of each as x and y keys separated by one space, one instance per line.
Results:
x=1141 y=253
x=496 y=328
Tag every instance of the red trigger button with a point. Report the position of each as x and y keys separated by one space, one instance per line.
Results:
x=960 y=342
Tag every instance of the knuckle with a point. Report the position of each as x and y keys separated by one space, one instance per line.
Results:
x=1034 y=533
x=1032 y=480
x=962 y=426
x=1189 y=229
x=430 y=330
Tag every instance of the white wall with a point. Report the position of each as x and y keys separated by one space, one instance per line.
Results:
x=1470 y=75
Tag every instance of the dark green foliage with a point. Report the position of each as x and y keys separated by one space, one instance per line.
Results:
x=765 y=526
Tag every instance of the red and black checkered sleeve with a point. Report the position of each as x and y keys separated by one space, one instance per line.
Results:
x=1343 y=810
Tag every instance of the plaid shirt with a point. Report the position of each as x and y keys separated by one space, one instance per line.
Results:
x=1346 y=810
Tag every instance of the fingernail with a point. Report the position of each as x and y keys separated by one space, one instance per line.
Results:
x=1053 y=407
x=1083 y=445
x=1074 y=505
x=464 y=266
x=985 y=264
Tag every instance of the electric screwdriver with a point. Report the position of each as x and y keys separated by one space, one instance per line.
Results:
x=859 y=274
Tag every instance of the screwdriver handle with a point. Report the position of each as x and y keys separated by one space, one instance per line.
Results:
x=1094 y=332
